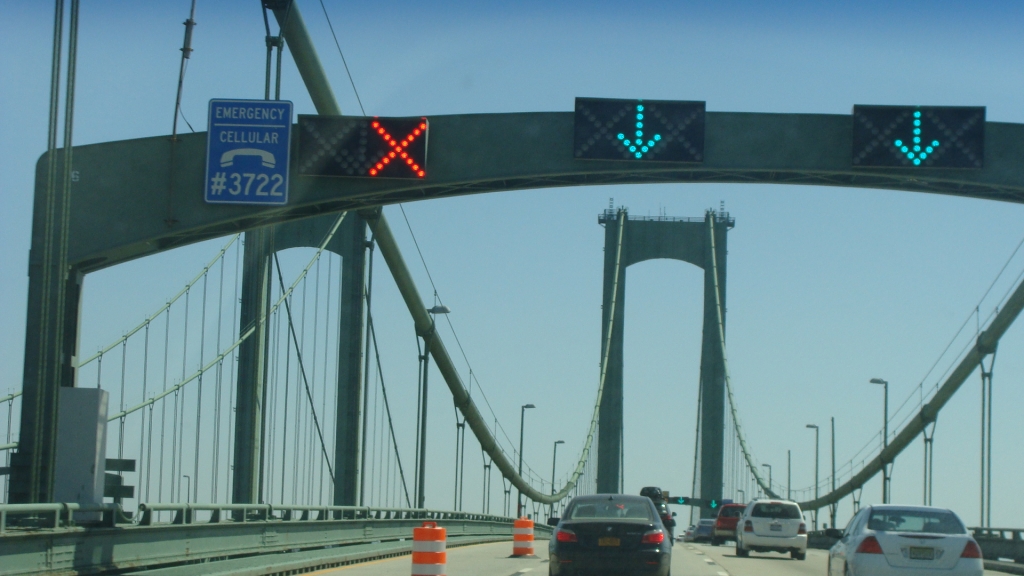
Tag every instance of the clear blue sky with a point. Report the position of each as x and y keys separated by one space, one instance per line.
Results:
x=828 y=287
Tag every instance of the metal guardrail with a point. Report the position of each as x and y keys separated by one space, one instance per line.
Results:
x=52 y=538
x=999 y=543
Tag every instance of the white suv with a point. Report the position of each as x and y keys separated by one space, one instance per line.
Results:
x=772 y=526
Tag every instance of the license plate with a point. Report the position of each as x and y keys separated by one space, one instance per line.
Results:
x=776 y=528
x=922 y=553
x=608 y=541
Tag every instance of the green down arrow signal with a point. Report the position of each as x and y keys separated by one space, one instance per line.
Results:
x=915 y=150
x=637 y=146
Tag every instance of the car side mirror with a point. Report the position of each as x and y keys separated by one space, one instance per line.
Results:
x=833 y=533
x=553 y=521
x=674 y=514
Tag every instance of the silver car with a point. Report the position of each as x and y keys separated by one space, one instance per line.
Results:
x=894 y=540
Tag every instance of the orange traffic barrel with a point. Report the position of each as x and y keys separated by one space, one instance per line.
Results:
x=522 y=537
x=428 y=550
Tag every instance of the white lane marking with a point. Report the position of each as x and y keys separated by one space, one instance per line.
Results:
x=709 y=560
x=523 y=571
x=723 y=574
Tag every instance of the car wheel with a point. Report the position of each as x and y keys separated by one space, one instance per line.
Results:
x=798 y=555
x=741 y=552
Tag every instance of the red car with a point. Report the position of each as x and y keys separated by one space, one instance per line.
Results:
x=725 y=524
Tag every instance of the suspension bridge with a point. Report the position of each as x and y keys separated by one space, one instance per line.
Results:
x=250 y=414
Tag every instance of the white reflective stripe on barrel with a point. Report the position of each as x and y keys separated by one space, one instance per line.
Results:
x=522 y=530
x=428 y=546
x=428 y=570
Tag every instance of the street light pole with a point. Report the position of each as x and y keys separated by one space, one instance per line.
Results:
x=789 y=474
x=522 y=420
x=815 y=426
x=885 y=438
x=421 y=468
x=769 y=467
x=832 y=507
x=554 y=455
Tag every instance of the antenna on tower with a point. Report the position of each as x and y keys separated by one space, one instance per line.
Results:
x=721 y=204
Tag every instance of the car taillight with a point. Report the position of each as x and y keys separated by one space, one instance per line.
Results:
x=971 y=550
x=564 y=535
x=653 y=537
x=869 y=545
x=802 y=529
x=748 y=526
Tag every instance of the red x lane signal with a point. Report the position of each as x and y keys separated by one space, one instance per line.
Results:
x=399 y=152
x=351 y=146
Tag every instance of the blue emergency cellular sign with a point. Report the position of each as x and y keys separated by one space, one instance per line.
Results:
x=247 y=152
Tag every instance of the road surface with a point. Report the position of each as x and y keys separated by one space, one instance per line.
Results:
x=687 y=560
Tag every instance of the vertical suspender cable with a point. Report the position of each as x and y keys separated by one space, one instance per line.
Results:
x=284 y=427
x=218 y=390
x=298 y=357
x=368 y=294
x=163 y=408
x=178 y=439
x=199 y=391
x=387 y=407
x=142 y=435
x=313 y=363
x=236 y=299
x=327 y=355
x=273 y=403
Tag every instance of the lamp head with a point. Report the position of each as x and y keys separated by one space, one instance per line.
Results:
x=559 y=441
x=877 y=381
x=815 y=426
x=525 y=406
x=439 y=309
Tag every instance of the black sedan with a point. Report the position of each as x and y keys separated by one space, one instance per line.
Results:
x=610 y=534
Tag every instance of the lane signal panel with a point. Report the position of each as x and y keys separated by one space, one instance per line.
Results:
x=639 y=130
x=919 y=136
x=363 y=147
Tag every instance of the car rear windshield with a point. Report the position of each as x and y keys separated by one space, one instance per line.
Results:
x=733 y=512
x=928 y=521
x=776 y=510
x=610 y=509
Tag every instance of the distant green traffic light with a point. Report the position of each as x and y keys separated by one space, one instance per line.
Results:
x=713 y=504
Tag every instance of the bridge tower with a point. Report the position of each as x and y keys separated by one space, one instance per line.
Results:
x=686 y=239
x=257 y=278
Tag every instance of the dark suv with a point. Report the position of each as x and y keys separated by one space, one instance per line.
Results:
x=667 y=516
